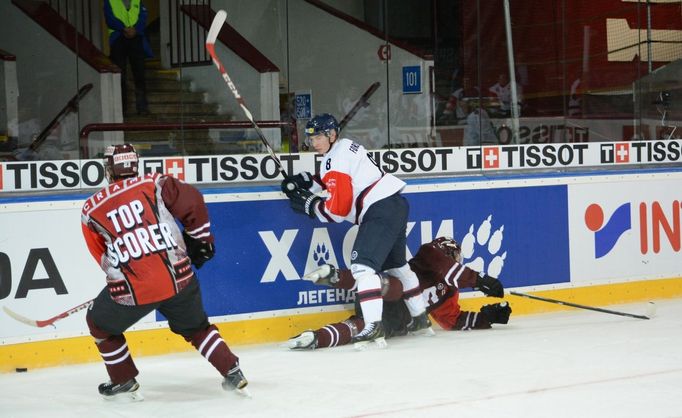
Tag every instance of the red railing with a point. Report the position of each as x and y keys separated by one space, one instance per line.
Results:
x=6 y=56
x=66 y=33
x=128 y=127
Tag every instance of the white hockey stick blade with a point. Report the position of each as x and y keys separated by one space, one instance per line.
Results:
x=20 y=318
x=217 y=24
x=651 y=310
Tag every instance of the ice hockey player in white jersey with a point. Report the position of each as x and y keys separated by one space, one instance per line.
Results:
x=358 y=191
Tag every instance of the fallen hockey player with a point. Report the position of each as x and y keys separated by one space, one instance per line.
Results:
x=441 y=275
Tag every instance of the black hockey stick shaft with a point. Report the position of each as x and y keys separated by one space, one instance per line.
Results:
x=71 y=106
x=213 y=32
x=362 y=102
x=575 y=305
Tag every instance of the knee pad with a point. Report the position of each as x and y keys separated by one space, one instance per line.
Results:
x=360 y=270
x=402 y=273
x=98 y=334
x=408 y=279
x=365 y=277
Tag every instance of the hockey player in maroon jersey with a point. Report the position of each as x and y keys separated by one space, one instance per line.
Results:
x=441 y=275
x=130 y=229
x=358 y=191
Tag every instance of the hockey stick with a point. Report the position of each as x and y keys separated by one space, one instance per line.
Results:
x=46 y=322
x=71 y=106
x=213 y=32
x=362 y=102
x=591 y=308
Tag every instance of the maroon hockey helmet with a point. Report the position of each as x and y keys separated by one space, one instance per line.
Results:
x=120 y=161
x=449 y=247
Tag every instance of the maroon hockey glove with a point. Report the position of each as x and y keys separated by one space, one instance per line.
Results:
x=490 y=286
x=198 y=251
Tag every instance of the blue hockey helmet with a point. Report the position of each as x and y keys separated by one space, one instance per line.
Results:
x=322 y=123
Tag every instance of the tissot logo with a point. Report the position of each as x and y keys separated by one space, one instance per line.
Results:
x=623 y=153
x=473 y=158
x=175 y=167
x=615 y=153
x=491 y=157
x=170 y=166
x=606 y=153
x=486 y=157
x=152 y=166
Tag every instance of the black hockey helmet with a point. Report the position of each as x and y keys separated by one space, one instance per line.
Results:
x=322 y=123
x=120 y=161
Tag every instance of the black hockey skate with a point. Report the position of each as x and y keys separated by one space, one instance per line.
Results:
x=129 y=390
x=372 y=333
x=307 y=340
x=497 y=313
x=420 y=325
x=326 y=275
x=235 y=381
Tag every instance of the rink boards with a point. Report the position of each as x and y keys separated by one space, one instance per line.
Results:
x=596 y=240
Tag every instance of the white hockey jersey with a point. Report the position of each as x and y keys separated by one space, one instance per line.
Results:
x=353 y=182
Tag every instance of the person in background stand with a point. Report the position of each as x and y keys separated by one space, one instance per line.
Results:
x=127 y=20
x=358 y=191
x=479 y=128
x=502 y=90
x=441 y=275
x=130 y=229
x=455 y=106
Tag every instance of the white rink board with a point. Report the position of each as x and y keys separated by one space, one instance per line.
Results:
x=53 y=227
x=628 y=259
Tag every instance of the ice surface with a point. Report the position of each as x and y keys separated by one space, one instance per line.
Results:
x=569 y=364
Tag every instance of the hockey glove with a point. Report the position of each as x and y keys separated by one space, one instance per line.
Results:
x=489 y=285
x=302 y=201
x=198 y=251
x=302 y=180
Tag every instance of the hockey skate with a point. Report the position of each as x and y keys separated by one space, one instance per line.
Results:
x=128 y=391
x=307 y=340
x=326 y=275
x=421 y=325
x=497 y=313
x=235 y=381
x=372 y=333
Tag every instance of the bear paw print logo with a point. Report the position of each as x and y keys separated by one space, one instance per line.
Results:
x=480 y=247
x=321 y=254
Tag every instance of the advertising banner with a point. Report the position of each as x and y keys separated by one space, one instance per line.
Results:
x=263 y=248
x=246 y=169
x=625 y=230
